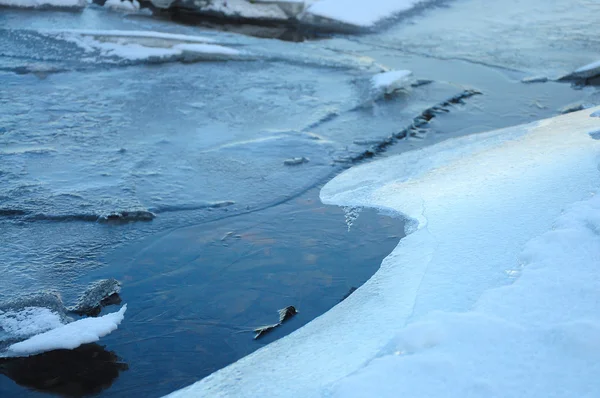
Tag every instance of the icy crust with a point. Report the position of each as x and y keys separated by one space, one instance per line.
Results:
x=69 y=336
x=588 y=71
x=74 y=4
x=475 y=202
x=539 y=337
x=29 y=321
x=363 y=14
x=146 y=46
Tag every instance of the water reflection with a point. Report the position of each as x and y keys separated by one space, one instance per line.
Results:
x=86 y=370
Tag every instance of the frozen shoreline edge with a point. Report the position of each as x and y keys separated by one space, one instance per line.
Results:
x=246 y=378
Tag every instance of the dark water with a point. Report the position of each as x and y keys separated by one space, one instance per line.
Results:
x=195 y=294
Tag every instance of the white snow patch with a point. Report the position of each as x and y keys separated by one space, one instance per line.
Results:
x=43 y=3
x=151 y=46
x=360 y=13
x=246 y=9
x=156 y=37
x=388 y=82
x=539 y=337
x=473 y=204
x=122 y=5
x=69 y=336
x=29 y=321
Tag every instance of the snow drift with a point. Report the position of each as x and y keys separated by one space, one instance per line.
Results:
x=66 y=4
x=441 y=317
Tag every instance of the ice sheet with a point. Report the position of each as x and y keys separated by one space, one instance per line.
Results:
x=474 y=203
x=69 y=336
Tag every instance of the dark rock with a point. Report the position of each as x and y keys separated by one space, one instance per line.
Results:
x=99 y=294
x=286 y=313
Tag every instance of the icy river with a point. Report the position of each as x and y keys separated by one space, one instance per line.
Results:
x=194 y=179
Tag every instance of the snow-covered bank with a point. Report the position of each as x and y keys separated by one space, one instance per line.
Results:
x=362 y=14
x=475 y=202
x=585 y=72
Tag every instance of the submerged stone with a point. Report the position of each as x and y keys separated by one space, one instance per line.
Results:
x=127 y=216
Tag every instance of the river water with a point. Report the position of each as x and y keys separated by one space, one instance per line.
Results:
x=237 y=233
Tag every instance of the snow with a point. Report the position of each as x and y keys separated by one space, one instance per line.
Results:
x=146 y=46
x=122 y=5
x=69 y=336
x=43 y=3
x=363 y=13
x=389 y=82
x=245 y=9
x=494 y=292
x=29 y=321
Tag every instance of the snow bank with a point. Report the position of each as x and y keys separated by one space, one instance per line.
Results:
x=585 y=72
x=43 y=3
x=359 y=13
x=69 y=336
x=388 y=82
x=473 y=204
x=146 y=46
x=122 y=5
x=539 y=337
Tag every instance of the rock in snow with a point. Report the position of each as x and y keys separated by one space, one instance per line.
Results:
x=444 y=316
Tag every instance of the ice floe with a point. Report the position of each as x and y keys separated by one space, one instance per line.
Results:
x=440 y=317
x=69 y=336
x=146 y=46
x=388 y=82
